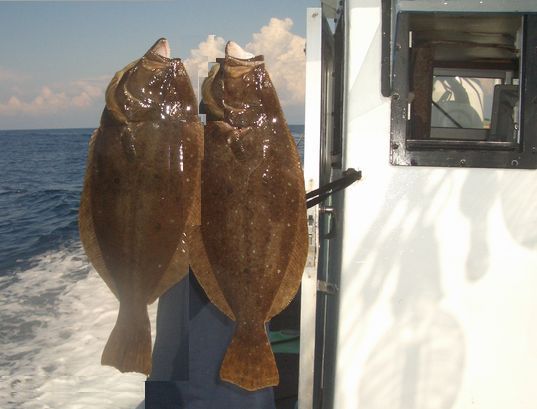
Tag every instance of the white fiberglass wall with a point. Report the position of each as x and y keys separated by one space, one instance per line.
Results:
x=439 y=278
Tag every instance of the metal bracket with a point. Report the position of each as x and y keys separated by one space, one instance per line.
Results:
x=326 y=287
x=329 y=212
x=311 y=261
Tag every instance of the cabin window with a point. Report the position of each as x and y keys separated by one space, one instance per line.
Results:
x=464 y=90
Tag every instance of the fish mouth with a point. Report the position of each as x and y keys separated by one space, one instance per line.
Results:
x=161 y=48
x=130 y=86
x=160 y=52
x=240 y=57
x=236 y=51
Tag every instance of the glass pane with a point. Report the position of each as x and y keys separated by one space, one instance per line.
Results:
x=462 y=102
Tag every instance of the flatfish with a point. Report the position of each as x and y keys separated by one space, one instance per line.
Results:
x=141 y=195
x=250 y=250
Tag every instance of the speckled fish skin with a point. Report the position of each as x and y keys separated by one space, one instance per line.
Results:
x=141 y=195
x=250 y=251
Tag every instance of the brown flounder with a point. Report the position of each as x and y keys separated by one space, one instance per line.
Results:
x=141 y=195
x=250 y=251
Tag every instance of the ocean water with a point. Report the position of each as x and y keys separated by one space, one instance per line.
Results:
x=55 y=311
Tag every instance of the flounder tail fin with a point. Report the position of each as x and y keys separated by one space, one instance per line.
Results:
x=249 y=361
x=129 y=345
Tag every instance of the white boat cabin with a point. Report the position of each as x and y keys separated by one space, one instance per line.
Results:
x=421 y=287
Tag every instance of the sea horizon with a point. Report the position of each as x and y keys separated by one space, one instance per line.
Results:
x=76 y=128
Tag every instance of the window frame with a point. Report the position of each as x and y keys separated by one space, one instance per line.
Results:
x=464 y=153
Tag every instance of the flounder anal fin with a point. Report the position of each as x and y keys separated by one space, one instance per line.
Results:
x=290 y=284
x=203 y=271
x=177 y=269
x=86 y=227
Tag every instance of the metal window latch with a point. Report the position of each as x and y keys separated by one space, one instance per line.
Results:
x=318 y=195
x=326 y=287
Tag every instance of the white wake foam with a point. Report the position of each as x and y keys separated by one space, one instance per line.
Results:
x=55 y=319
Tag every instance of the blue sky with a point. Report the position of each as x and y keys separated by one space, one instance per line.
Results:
x=57 y=57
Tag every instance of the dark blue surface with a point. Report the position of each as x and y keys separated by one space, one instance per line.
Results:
x=41 y=176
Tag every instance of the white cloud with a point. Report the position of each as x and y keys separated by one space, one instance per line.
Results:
x=208 y=51
x=53 y=99
x=284 y=58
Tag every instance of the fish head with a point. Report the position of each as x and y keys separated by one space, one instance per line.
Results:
x=238 y=90
x=154 y=87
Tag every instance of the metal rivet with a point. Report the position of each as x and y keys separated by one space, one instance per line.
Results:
x=462 y=162
x=514 y=162
x=395 y=96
